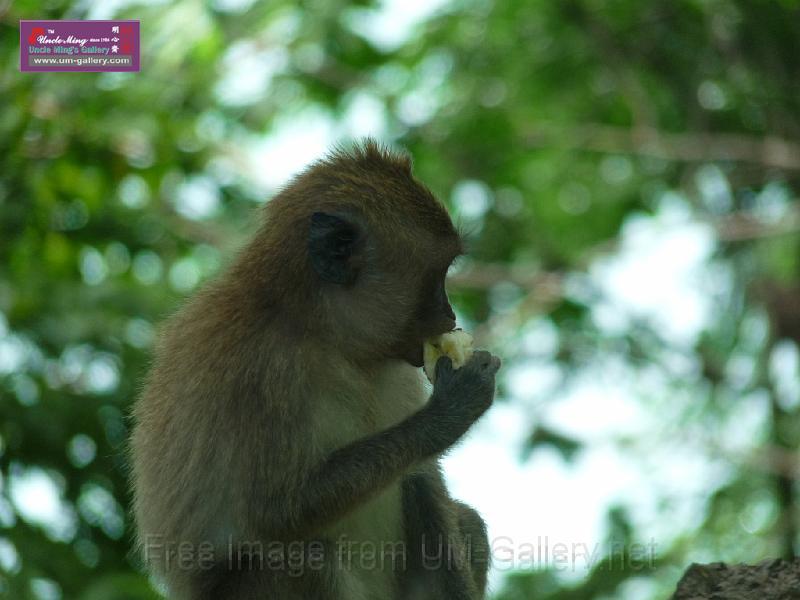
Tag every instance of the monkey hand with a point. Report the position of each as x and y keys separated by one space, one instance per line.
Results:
x=461 y=396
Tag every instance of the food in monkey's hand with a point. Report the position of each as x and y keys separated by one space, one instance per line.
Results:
x=456 y=344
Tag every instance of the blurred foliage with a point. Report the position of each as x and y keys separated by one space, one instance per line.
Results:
x=551 y=128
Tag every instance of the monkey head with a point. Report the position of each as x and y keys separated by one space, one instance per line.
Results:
x=361 y=250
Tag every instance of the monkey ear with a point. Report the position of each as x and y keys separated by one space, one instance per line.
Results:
x=331 y=245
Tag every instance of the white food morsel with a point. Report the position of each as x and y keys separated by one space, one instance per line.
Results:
x=456 y=344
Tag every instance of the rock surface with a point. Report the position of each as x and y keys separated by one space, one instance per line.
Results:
x=769 y=580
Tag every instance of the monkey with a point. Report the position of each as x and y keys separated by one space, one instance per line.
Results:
x=285 y=444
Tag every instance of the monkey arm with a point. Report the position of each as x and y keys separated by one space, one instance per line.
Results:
x=354 y=473
x=446 y=541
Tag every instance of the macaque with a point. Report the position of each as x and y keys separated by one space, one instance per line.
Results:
x=286 y=445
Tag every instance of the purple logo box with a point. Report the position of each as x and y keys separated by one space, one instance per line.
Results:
x=70 y=46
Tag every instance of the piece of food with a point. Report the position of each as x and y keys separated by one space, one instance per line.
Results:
x=456 y=344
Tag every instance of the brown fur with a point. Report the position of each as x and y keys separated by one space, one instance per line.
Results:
x=274 y=410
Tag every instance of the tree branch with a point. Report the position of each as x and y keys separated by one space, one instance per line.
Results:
x=742 y=226
x=768 y=151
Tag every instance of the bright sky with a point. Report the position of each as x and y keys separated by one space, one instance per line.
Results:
x=545 y=498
